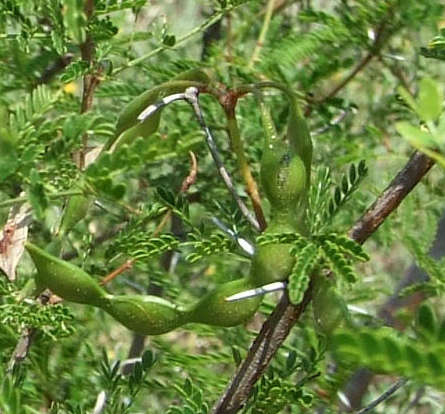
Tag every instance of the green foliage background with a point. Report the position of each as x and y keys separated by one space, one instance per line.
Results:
x=310 y=46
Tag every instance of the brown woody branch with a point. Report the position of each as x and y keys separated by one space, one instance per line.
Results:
x=280 y=322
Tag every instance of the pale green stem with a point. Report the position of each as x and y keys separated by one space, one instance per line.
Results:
x=18 y=200
x=243 y=165
x=179 y=41
x=263 y=33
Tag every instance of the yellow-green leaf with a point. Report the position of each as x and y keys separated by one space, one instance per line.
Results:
x=416 y=137
x=429 y=102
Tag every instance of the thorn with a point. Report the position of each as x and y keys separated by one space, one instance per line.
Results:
x=270 y=287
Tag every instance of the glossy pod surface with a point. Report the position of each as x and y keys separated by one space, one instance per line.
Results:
x=285 y=177
x=129 y=128
x=214 y=310
x=328 y=306
x=147 y=315
x=65 y=279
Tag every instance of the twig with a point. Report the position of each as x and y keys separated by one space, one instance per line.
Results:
x=121 y=269
x=243 y=165
x=191 y=96
x=209 y=22
x=285 y=315
x=333 y=122
x=245 y=245
x=187 y=182
x=390 y=391
x=419 y=394
x=260 y=42
x=191 y=178
x=375 y=48
x=54 y=196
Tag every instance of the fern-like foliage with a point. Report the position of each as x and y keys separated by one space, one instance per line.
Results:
x=349 y=184
x=273 y=394
x=331 y=32
x=55 y=322
x=142 y=246
x=387 y=351
x=104 y=7
x=32 y=109
x=319 y=197
x=346 y=245
x=323 y=206
x=202 y=247
x=435 y=268
x=436 y=47
x=306 y=259
x=193 y=400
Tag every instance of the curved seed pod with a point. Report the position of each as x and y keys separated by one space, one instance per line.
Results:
x=299 y=137
x=128 y=126
x=285 y=169
x=213 y=309
x=146 y=315
x=283 y=176
x=64 y=279
x=329 y=308
x=285 y=165
x=285 y=179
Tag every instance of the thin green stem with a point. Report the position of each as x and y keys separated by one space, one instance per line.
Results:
x=262 y=37
x=218 y=15
x=17 y=35
x=243 y=165
x=253 y=88
x=18 y=200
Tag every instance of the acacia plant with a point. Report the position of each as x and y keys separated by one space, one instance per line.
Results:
x=166 y=166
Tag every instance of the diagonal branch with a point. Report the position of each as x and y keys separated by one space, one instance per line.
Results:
x=278 y=325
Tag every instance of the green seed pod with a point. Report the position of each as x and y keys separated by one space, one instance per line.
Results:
x=271 y=263
x=329 y=308
x=146 y=315
x=283 y=177
x=64 y=279
x=129 y=127
x=299 y=137
x=213 y=309
x=285 y=169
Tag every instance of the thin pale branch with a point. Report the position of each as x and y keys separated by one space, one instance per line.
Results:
x=54 y=196
x=390 y=391
x=209 y=22
x=379 y=41
x=277 y=327
x=262 y=37
x=121 y=269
